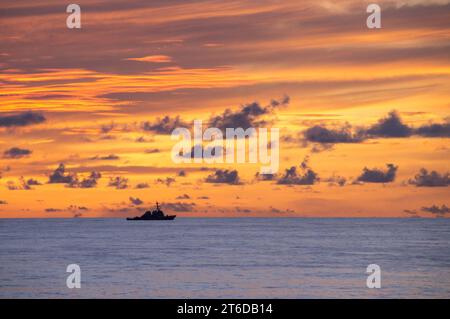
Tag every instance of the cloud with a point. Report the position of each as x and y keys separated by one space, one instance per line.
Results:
x=184 y=196
x=153 y=59
x=136 y=201
x=247 y=116
x=3 y=202
x=434 y=130
x=265 y=177
x=430 y=179
x=320 y=134
x=179 y=207
x=142 y=186
x=22 y=185
x=436 y=210
x=142 y=139
x=241 y=210
x=412 y=213
x=110 y=157
x=53 y=210
x=106 y=128
x=390 y=126
x=33 y=182
x=118 y=182
x=223 y=177
x=22 y=119
x=306 y=177
x=59 y=176
x=321 y=147
x=336 y=180
x=376 y=175
x=279 y=211
x=75 y=208
x=152 y=151
x=16 y=152
x=167 y=181
x=209 y=152
x=89 y=182
x=166 y=125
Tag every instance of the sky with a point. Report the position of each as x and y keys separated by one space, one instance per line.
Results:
x=86 y=114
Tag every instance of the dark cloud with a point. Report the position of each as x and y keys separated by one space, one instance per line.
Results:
x=136 y=201
x=106 y=128
x=209 y=152
x=184 y=196
x=118 y=182
x=107 y=137
x=142 y=139
x=16 y=152
x=135 y=169
x=223 y=177
x=53 y=210
x=320 y=134
x=265 y=177
x=390 y=126
x=142 y=185
x=203 y=197
x=152 y=151
x=167 y=181
x=166 y=125
x=110 y=157
x=436 y=210
x=3 y=202
x=179 y=207
x=89 y=182
x=247 y=116
x=434 y=130
x=21 y=119
x=59 y=176
x=279 y=211
x=321 y=147
x=21 y=185
x=33 y=182
x=75 y=208
x=238 y=209
x=376 y=175
x=306 y=176
x=336 y=180
x=430 y=179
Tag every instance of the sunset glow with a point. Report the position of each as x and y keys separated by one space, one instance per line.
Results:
x=104 y=98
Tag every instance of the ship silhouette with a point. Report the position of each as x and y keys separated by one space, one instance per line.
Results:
x=156 y=214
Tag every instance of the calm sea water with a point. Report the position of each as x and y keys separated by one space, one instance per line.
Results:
x=225 y=258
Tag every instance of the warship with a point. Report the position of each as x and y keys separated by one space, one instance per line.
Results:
x=156 y=214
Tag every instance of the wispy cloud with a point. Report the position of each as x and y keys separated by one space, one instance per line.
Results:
x=153 y=59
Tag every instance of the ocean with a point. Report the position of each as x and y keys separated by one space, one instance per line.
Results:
x=225 y=258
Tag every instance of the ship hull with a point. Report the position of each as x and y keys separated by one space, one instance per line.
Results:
x=170 y=217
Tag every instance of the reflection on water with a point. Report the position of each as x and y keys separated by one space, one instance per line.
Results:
x=226 y=258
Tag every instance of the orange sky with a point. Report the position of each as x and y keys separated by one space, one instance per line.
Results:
x=103 y=89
